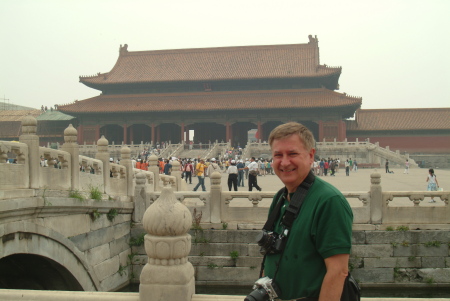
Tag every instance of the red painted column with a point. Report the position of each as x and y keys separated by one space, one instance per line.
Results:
x=187 y=134
x=132 y=134
x=158 y=134
x=227 y=131
x=80 y=130
x=125 y=133
x=320 y=131
x=153 y=134
x=260 y=131
x=182 y=132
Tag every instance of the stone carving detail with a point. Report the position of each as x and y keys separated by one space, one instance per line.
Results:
x=70 y=134
x=29 y=125
x=416 y=198
x=255 y=199
x=168 y=275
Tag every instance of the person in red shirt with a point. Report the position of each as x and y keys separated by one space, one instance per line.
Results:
x=188 y=168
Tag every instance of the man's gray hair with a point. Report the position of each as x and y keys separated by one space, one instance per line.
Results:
x=293 y=128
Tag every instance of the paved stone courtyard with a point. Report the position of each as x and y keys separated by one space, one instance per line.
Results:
x=359 y=181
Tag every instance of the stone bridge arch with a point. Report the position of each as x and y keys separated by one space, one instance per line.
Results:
x=29 y=238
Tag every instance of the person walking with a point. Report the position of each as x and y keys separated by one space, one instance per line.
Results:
x=247 y=162
x=188 y=168
x=200 y=169
x=347 y=168
x=232 y=172
x=167 y=168
x=433 y=183
x=332 y=167
x=253 y=175
x=386 y=166
x=213 y=166
x=406 y=167
x=240 y=166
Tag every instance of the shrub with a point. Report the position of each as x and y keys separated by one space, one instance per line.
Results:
x=95 y=215
x=137 y=241
x=95 y=193
x=75 y=194
x=112 y=213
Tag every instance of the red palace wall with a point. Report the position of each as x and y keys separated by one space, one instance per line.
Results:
x=416 y=144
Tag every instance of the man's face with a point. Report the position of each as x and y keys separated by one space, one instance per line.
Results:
x=291 y=161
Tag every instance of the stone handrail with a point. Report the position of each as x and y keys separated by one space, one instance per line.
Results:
x=167 y=151
x=91 y=171
x=54 y=156
x=213 y=150
x=56 y=174
x=415 y=214
x=177 y=151
x=377 y=206
x=88 y=164
x=14 y=176
x=385 y=153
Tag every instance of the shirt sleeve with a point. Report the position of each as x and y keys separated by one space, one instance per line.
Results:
x=333 y=227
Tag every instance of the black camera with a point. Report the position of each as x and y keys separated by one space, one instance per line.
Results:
x=264 y=289
x=271 y=242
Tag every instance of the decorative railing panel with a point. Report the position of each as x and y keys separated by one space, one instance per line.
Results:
x=91 y=173
x=118 y=181
x=56 y=173
x=416 y=213
x=14 y=175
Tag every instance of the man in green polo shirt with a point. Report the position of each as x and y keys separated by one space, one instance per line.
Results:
x=314 y=264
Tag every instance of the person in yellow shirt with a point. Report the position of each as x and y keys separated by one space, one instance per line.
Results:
x=200 y=169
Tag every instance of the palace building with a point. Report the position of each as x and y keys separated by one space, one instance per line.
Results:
x=220 y=93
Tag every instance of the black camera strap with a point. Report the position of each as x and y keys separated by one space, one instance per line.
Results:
x=294 y=205
x=297 y=200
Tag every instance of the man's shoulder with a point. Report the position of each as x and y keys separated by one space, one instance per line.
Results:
x=325 y=189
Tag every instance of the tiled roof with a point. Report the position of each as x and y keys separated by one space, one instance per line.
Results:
x=54 y=116
x=10 y=129
x=213 y=64
x=401 y=119
x=17 y=115
x=213 y=101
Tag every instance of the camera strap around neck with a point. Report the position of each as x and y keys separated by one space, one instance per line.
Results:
x=290 y=214
x=295 y=204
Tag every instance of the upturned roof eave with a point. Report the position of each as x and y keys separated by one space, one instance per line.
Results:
x=93 y=82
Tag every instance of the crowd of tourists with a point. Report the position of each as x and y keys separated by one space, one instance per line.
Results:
x=330 y=166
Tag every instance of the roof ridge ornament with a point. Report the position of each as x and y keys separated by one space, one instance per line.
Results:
x=123 y=50
x=313 y=40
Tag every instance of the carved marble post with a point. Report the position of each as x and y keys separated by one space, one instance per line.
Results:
x=154 y=167
x=376 y=199
x=29 y=137
x=139 y=198
x=216 y=196
x=125 y=154
x=168 y=275
x=71 y=146
x=103 y=155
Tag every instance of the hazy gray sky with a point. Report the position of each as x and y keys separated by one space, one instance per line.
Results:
x=394 y=53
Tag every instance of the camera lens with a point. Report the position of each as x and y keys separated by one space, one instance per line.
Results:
x=259 y=294
x=261 y=237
